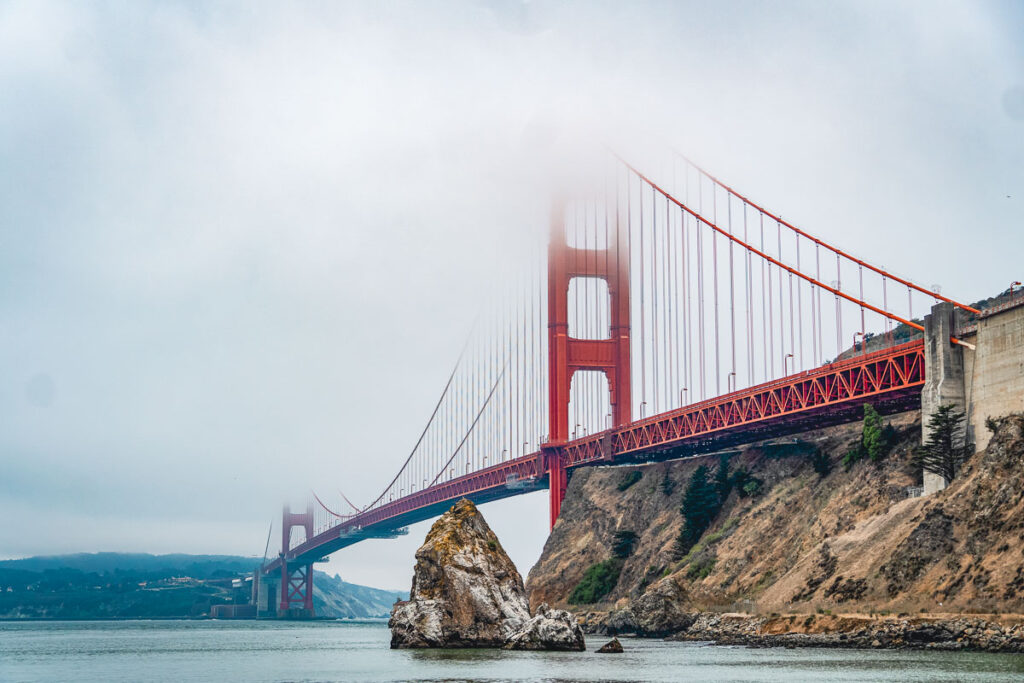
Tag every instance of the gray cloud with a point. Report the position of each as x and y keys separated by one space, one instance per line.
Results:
x=244 y=242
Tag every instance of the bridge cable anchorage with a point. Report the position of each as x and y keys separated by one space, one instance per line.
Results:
x=815 y=240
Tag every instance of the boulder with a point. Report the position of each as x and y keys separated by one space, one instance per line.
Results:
x=465 y=590
x=662 y=609
x=621 y=621
x=613 y=646
x=548 y=629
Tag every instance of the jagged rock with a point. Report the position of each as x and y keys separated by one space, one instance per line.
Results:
x=465 y=590
x=613 y=646
x=549 y=629
x=621 y=621
x=662 y=609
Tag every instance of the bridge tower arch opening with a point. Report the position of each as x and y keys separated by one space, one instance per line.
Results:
x=580 y=259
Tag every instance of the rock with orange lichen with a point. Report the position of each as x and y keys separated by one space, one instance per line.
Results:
x=466 y=592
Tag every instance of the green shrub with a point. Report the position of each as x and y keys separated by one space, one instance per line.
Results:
x=629 y=479
x=598 y=581
x=851 y=457
x=701 y=568
x=746 y=484
x=667 y=485
x=752 y=488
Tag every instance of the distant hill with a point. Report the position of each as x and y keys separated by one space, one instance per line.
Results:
x=197 y=566
x=135 y=585
x=333 y=597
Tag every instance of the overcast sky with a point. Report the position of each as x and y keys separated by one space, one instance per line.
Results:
x=240 y=242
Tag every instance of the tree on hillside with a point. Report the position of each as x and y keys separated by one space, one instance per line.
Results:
x=722 y=481
x=872 y=436
x=700 y=507
x=623 y=543
x=945 y=451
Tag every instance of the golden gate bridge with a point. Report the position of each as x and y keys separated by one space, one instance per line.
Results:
x=667 y=315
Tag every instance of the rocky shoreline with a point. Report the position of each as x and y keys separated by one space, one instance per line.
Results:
x=967 y=633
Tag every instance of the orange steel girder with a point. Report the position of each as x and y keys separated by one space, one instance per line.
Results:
x=568 y=354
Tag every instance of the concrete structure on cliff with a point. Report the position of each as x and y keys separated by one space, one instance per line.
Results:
x=982 y=374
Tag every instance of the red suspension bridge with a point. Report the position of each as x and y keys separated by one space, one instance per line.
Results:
x=674 y=317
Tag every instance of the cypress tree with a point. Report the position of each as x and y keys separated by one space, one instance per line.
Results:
x=700 y=507
x=941 y=454
x=872 y=437
x=722 y=481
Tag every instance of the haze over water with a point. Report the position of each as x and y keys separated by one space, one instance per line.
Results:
x=358 y=651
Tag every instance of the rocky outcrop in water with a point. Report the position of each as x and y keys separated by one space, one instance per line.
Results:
x=613 y=646
x=466 y=592
x=548 y=629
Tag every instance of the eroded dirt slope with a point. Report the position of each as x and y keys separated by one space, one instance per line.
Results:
x=848 y=542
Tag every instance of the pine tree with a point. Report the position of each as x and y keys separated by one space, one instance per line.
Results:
x=722 y=481
x=623 y=542
x=700 y=507
x=942 y=454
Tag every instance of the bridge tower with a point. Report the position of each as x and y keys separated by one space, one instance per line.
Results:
x=296 y=580
x=567 y=354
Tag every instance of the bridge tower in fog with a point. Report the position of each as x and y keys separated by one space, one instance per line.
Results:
x=568 y=354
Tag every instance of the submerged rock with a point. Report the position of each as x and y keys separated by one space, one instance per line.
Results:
x=613 y=646
x=549 y=629
x=465 y=590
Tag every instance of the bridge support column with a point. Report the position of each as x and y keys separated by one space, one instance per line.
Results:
x=296 y=579
x=558 y=480
x=296 y=591
x=944 y=376
x=567 y=354
x=266 y=596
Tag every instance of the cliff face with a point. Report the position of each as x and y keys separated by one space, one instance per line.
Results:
x=848 y=541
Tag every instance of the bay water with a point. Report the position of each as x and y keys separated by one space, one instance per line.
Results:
x=257 y=651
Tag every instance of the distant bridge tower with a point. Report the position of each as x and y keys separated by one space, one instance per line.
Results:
x=296 y=580
x=568 y=354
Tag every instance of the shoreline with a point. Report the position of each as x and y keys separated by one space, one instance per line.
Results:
x=969 y=633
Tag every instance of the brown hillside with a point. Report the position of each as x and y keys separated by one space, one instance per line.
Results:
x=848 y=542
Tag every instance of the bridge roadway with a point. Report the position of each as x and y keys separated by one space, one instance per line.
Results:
x=891 y=379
